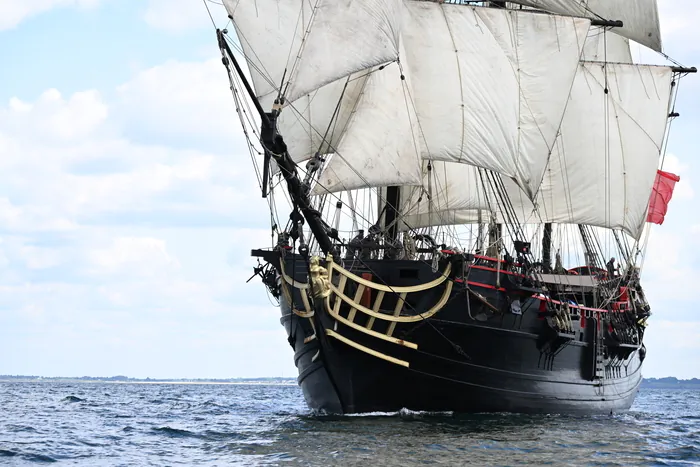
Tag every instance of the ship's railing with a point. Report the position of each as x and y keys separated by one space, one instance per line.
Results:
x=334 y=284
x=345 y=279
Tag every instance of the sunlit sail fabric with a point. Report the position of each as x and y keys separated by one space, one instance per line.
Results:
x=640 y=18
x=603 y=45
x=302 y=45
x=488 y=88
x=316 y=122
x=490 y=85
x=380 y=145
x=447 y=190
x=604 y=164
x=461 y=194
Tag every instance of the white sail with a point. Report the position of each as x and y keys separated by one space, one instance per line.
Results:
x=304 y=45
x=447 y=190
x=305 y=123
x=459 y=191
x=640 y=18
x=496 y=103
x=604 y=46
x=380 y=146
x=447 y=217
x=490 y=85
x=315 y=123
x=461 y=194
x=605 y=163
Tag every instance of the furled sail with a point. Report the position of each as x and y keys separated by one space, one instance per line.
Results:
x=490 y=85
x=640 y=18
x=300 y=45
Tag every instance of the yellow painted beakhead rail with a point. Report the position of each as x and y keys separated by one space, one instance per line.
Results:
x=329 y=284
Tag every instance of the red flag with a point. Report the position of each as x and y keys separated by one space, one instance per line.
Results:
x=661 y=195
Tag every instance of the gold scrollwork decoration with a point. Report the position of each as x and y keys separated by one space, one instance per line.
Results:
x=320 y=283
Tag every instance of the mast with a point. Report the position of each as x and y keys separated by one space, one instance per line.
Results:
x=480 y=235
x=275 y=148
x=494 y=246
x=495 y=230
x=591 y=256
x=547 y=248
x=393 y=196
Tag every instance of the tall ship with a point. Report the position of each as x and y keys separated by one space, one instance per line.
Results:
x=460 y=193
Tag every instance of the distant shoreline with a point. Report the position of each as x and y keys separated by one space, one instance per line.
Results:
x=103 y=381
x=126 y=380
x=650 y=383
x=670 y=383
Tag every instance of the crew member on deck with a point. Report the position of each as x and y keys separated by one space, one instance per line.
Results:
x=611 y=268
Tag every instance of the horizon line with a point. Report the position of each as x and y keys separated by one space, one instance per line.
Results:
x=148 y=378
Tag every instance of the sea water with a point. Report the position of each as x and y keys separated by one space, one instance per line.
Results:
x=91 y=424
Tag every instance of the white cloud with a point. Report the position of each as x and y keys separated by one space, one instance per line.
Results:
x=669 y=270
x=40 y=258
x=135 y=255
x=67 y=159
x=180 y=102
x=27 y=129
x=32 y=217
x=74 y=119
x=673 y=348
x=670 y=264
x=678 y=19
x=95 y=198
x=13 y=12
x=180 y=15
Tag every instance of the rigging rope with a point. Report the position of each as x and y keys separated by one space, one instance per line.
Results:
x=510 y=211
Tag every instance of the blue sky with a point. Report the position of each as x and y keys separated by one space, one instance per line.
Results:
x=128 y=206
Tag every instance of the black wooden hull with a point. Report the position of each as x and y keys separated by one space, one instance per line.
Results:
x=467 y=360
